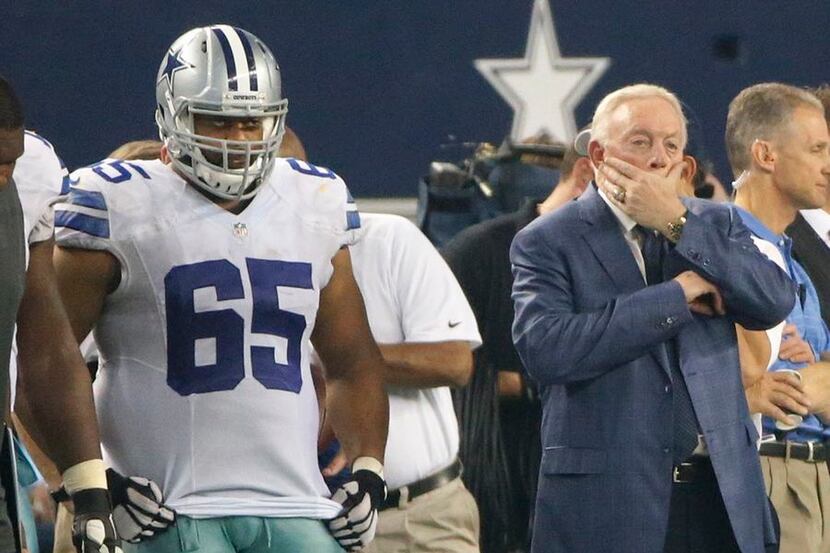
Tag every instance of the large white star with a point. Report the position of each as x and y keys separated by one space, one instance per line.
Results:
x=543 y=88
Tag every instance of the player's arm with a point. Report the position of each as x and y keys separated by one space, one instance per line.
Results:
x=356 y=400
x=53 y=376
x=57 y=392
x=85 y=278
x=428 y=364
x=437 y=324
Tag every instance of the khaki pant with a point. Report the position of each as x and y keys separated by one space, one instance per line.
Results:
x=800 y=492
x=441 y=521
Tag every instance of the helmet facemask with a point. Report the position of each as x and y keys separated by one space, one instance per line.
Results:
x=228 y=169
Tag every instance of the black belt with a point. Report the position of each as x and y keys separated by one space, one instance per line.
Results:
x=696 y=470
x=425 y=485
x=812 y=452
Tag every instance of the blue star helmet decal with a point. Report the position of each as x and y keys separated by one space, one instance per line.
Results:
x=172 y=64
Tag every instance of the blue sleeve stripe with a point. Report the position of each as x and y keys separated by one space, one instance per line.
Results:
x=82 y=222
x=66 y=185
x=87 y=198
x=352 y=220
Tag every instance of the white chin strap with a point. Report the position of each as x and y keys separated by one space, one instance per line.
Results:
x=228 y=184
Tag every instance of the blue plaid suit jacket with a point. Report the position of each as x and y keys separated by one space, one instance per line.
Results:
x=592 y=334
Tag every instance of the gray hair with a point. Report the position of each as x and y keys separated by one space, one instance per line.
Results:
x=609 y=104
x=760 y=112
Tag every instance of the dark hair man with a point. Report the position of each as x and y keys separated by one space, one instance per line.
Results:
x=55 y=385
x=206 y=280
x=499 y=411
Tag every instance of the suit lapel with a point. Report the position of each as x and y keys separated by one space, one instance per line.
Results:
x=605 y=238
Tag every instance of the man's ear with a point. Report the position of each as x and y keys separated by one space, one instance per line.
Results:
x=583 y=170
x=690 y=169
x=596 y=153
x=763 y=155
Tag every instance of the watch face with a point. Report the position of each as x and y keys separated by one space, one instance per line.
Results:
x=676 y=228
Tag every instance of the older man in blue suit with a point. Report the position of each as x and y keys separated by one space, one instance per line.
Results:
x=626 y=302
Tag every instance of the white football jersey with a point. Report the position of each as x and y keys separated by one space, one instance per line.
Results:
x=204 y=384
x=41 y=177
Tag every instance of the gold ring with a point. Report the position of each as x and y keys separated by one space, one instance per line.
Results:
x=619 y=195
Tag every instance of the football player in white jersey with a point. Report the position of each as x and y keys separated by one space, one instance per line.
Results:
x=40 y=177
x=56 y=398
x=205 y=275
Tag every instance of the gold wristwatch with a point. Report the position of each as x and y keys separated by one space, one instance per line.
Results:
x=676 y=227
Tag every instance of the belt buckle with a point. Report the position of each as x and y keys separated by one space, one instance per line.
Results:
x=676 y=474
x=810 y=452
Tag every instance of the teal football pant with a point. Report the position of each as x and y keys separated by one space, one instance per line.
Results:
x=241 y=535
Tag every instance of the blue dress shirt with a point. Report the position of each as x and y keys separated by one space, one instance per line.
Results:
x=806 y=316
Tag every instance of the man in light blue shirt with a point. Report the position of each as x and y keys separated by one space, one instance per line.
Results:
x=779 y=149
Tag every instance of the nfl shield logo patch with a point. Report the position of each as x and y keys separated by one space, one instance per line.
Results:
x=240 y=230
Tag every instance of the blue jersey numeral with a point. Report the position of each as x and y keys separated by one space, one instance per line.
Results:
x=225 y=328
x=118 y=170
x=306 y=168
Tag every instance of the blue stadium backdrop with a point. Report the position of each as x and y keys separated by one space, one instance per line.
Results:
x=377 y=87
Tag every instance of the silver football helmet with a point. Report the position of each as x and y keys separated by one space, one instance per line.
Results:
x=220 y=71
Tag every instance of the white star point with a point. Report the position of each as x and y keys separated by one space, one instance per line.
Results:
x=543 y=88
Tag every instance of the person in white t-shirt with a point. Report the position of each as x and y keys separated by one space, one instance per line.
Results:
x=426 y=332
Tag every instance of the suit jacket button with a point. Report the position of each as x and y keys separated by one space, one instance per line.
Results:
x=666 y=450
x=667 y=389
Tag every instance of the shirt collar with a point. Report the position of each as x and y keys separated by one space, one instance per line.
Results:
x=760 y=230
x=625 y=221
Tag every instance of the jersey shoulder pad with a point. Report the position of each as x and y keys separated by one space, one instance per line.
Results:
x=40 y=167
x=104 y=196
x=318 y=194
x=40 y=177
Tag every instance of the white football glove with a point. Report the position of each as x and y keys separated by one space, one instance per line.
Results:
x=138 y=510
x=361 y=496
x=93 y=530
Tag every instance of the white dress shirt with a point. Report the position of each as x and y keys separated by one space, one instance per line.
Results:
x=628 y=226
x=820 y=221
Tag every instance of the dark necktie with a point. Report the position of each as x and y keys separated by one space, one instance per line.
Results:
x=685 y=423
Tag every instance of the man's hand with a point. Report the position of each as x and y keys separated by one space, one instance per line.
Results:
x=702 y=297
x=648 y=198
x=93 y=530
x=776 y=394
x=794 y=348
x=361 y=497
x=138 y=510
x=816 y=379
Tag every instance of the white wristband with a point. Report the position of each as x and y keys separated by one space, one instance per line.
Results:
x=85 y=475
x=368 y=463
